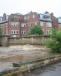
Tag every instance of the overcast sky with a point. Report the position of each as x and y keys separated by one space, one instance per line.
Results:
x=25 y=6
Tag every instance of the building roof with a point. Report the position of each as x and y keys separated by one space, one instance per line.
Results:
x=59 y=20
x=29 y=13
x=45 y=17
x=2 y=22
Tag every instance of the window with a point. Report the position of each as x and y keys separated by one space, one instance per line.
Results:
x=14 y=32
x=59 y=20
x=44 y=23
x=14 y=25
x=23 y=32
x=26 y=17
x=23 y=25
x=33 y=16
x=41 y=23
x=46 y=16
x=11 y=32
x=49 y=24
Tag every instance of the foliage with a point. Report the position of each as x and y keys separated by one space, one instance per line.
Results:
x=55 y=41
x=36 y=30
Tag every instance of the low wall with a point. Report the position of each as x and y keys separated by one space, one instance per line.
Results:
x=37 y=40
x=34 y=40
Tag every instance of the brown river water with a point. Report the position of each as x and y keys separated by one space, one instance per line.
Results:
x=52 y=70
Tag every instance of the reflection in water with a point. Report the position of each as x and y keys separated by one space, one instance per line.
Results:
x=53 y=70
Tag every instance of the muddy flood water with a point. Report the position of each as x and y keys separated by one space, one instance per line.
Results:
x=32 y=53
x=11 y=54
x=52 y=70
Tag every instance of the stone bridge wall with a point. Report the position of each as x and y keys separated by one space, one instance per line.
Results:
x=34 y=40
x=27 y=40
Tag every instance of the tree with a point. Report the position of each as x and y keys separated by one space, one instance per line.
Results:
x=55 y=41
x=36 y=30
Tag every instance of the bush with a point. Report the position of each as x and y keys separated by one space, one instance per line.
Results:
x=55 y=42
x=36 y=30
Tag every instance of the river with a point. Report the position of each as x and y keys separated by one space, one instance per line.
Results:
x=52 y=70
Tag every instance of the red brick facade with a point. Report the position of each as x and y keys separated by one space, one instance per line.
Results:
x=14 y=24
x=31 y=19
x=54 y=21
x=19 y=25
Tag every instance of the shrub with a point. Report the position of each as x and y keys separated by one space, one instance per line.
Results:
x=36 y=30
x=55 y=42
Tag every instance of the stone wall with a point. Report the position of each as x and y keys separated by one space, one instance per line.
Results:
x=38 y=40
x=33 y=40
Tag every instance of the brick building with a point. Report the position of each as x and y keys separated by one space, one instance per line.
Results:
x=54 y=21
x=19 y=25
x=30 y=20
x=14 y=23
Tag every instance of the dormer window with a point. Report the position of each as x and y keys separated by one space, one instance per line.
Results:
x=46 y=12
x=33 y=16
x=45 y=16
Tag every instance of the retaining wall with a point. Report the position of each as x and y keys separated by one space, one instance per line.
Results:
x=35 y=40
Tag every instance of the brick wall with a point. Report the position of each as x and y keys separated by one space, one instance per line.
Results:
x=54 y=21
